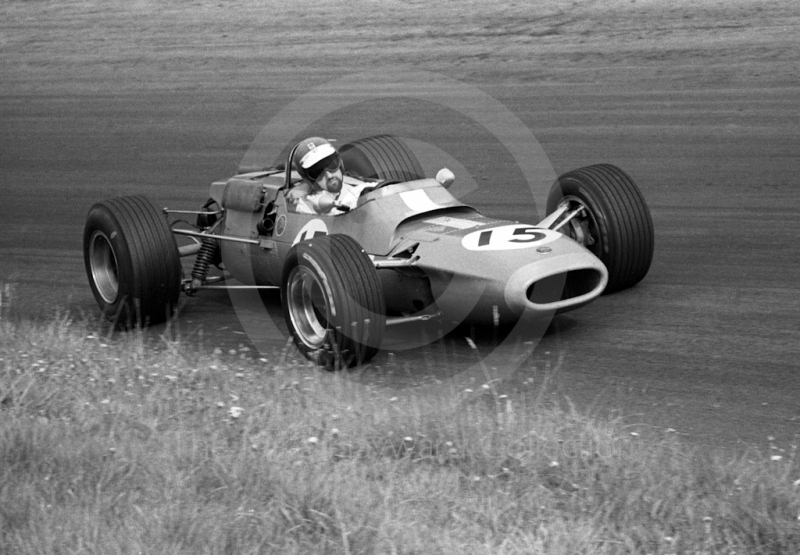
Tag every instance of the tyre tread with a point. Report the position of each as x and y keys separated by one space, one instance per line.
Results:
x=629 y=223
x=351 y=268
x=154 y=259
x=389 y=157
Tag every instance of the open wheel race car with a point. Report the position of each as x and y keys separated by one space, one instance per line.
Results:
x=408 y=251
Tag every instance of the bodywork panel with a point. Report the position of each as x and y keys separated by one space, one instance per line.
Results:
x=471 y=266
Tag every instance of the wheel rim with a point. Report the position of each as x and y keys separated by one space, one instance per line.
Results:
x=582 y=228
x=308 y=307
x=103 y=264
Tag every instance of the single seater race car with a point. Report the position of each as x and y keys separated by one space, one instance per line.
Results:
x=409 y=250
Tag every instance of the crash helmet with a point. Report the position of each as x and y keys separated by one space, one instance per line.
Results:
x=314 y=156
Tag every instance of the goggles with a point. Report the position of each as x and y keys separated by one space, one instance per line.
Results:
x=329 y=163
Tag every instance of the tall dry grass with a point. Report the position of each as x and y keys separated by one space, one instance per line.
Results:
x=146 y=445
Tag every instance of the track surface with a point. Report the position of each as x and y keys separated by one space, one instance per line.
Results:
x=698 y=103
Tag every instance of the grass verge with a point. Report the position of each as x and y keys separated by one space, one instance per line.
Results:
x=120 y=447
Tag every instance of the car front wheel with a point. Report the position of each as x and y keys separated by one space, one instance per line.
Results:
x=333 y=302
x=613 y=221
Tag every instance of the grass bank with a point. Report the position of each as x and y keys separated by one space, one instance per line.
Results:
x=118 y=447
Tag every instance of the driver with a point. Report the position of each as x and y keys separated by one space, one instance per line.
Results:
x=322 y=190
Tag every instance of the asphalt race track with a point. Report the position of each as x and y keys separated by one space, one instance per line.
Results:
x=700 y=104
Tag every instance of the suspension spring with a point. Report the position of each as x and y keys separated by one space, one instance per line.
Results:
x=208 y=253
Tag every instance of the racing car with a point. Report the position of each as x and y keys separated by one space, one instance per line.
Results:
x=408 y=251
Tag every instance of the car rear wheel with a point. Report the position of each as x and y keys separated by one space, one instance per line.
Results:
x=383 y=157
x=333 y=302
x=614 y=223
x=132 y=261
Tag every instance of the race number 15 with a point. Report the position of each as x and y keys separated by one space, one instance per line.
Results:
x=508 y=237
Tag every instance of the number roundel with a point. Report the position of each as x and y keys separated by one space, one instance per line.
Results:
x=508 y=237
x=314 y=228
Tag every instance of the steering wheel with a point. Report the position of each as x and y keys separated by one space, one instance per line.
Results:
x=366 y=191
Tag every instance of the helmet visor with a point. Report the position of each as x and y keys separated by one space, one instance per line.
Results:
x=329 y=163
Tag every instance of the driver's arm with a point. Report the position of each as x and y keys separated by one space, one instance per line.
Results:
x=327 y=203
x=298 y=201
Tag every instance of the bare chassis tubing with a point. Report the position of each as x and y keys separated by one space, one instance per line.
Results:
x=209 y=283
x=190 y=250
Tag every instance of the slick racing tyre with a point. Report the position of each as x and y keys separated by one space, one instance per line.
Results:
x=132 y=261
x=333 y=302
x=383 y=157
x=615 y=223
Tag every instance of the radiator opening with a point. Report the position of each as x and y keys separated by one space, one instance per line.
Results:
x=563 y=286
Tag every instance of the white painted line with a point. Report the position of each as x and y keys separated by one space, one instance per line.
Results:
x=418 y=201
